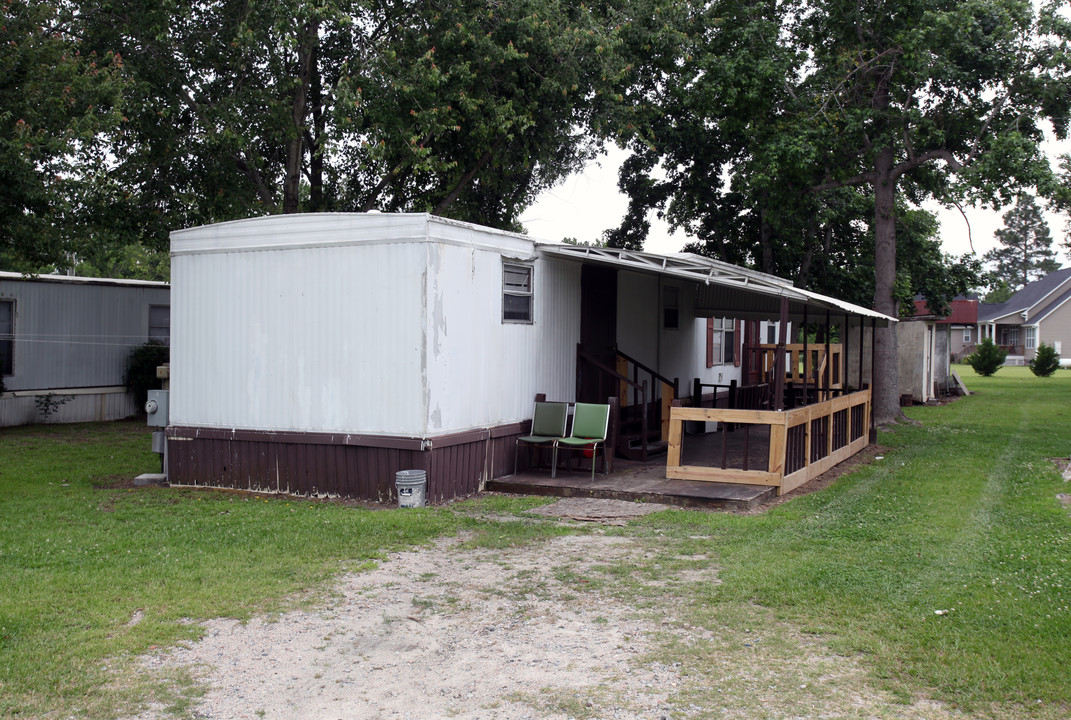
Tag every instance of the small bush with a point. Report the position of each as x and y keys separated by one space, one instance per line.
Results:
x=141 y=367
x=987 y=358
x=1045 y=361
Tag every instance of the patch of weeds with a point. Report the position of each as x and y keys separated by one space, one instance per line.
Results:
x=580 y=704
x=425 y=603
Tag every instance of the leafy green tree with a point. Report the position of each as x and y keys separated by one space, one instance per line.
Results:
x=987 y=358
x=1026 y=252
x=999 y=291
x=778 y=105
x=1046 y=361
x=60 y=98
x=463 y=109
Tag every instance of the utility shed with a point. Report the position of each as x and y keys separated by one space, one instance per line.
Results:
x=69 y=337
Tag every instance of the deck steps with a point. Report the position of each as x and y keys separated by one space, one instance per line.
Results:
x=681 y=493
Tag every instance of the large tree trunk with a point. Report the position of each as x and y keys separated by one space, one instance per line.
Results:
x=295 y=147
x=886 y=379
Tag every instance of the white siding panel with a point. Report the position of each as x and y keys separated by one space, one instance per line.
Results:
x=483 y=371
x=313 y=339
x=76 y=334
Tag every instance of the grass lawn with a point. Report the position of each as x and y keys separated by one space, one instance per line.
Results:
x=942 y=569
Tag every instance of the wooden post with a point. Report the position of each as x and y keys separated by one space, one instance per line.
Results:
x=862 y=345
x=829 y=360
x=806 y=357
x=611 y=438
x=778 y=435
x=622 y=391
x=697 y=393
x=673 y=451
x=873 y=380
x=844 y=380
x=779 y=360
x=669 y=394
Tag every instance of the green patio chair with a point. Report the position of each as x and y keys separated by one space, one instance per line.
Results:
x=590 y=425
x=548 y=424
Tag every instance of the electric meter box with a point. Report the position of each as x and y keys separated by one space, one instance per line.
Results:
x=156 y=408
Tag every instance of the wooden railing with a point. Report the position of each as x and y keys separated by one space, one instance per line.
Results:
x=669 y=391
x=803 y=443
x=618 y=380
x=805 y=364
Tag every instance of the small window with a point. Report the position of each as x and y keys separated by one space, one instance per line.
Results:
x=516 y=293
x=771 y=334
x=160 y=324
x=1031 y=338
x=966 y=334
x=721 y=341
x=7 y=336
x=671 y=307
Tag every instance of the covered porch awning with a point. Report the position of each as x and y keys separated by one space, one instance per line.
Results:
x=723 y=289
x=802 y=441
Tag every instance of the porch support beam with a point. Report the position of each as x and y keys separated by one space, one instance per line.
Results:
x=829 y=361
x=779 y=362
x=806 y=359
x=862 y=345
x=873 y=380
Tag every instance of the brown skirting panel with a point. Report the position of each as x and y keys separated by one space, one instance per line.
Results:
x=322 y=464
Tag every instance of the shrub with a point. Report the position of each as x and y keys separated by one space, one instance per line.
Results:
x=987 y=358
x=141 y=367
x=1045 y=361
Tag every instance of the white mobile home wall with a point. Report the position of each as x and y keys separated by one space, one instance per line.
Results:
x=320 y=354
x=366 y=324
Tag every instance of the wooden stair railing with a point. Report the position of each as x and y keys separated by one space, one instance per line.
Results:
x=669 y=391
x=622 y=444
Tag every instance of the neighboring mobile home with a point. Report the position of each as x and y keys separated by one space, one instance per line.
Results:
x=322 y=353
x=69 y=338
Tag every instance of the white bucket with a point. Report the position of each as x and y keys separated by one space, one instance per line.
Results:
x=411 y=486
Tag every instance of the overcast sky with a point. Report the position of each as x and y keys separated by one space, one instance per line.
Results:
x=589 y=202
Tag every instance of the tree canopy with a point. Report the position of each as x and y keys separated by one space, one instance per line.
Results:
x=784 y=122
x=60 y=100
x=464 y=109
x=1025 y=253
x=225 y=109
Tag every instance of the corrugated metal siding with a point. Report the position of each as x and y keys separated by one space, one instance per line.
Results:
x=317 y=467
x=482 y=371
x=89 y=407
x=310 y=339
x=70 y=335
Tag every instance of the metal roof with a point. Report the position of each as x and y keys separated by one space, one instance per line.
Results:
x=738 y=292
x=78 y=279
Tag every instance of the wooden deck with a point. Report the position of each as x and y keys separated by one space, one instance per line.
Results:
x=647 y=481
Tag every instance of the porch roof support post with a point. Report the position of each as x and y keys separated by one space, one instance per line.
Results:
x=862 y=346
x=806 y=358
x=845 y=381
x=829 y=359
x=873 y=380
x=779 y=361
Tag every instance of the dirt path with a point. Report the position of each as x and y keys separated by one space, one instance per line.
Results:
x=436 y=634
x=506 y=634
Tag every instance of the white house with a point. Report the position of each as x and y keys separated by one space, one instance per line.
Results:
x=322 y=353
